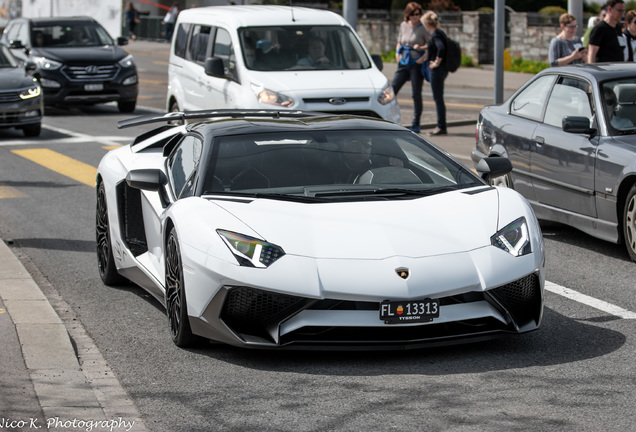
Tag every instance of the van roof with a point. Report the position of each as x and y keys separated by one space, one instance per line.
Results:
x=264 y=15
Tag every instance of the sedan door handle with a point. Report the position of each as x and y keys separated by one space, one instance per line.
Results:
x=539 y=140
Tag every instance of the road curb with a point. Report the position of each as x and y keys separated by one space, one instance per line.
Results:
x=71 y=380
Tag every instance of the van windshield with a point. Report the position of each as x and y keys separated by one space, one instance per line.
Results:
x=302 y=48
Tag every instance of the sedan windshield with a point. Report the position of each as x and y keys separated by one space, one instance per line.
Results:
x=619 y=102
x=74 y=34
x=302 y=48
x=349 y=165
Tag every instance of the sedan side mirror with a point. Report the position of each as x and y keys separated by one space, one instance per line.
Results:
x=214 y=67
x=577 y=125
x=493 y=167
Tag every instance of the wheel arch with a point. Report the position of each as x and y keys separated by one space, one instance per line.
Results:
x=621 y=198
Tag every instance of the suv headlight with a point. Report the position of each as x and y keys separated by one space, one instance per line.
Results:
x=249 y=251
x=127 y=62
x=387 y=95
x=514 y=238
x=271 y=97
x=31 y=92
x=47 y=64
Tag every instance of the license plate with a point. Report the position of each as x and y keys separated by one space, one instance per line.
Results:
x=93 y=87
x=405 y=312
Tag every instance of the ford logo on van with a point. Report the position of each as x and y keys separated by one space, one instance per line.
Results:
x=337 y=101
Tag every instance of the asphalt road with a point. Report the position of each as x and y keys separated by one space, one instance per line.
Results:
x=575 y=374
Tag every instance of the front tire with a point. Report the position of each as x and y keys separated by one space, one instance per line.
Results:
x=127 y=106
x=32 y=130
x=105 y=260
x=629 y=223
x=176 y=306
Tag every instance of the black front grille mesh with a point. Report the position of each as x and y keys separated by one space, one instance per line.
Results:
x=521 y=298
x=252 y=311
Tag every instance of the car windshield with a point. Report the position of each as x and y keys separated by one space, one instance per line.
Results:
x=619 y=103
x=345 y=165
x=75 y=34
x=302 y=48
x=6 y=59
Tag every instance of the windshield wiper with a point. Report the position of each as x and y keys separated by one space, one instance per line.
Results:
x=268 y=195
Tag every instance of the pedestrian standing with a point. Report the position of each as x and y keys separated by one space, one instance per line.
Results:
x=630 y=35
x=607 y=42
x=591 y=23
x=170 y=19
x=437 y=67
x=132 y=18
x=566 y=48
x=410 y=54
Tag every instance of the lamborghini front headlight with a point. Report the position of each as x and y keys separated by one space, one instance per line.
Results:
x=514 y=238
x=250 y=251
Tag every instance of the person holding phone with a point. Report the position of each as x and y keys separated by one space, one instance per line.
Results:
x=566 y=48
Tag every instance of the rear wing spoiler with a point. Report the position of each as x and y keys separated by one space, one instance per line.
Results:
x=182 y=117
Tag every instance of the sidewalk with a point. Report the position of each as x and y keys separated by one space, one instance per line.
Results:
x=53 y=377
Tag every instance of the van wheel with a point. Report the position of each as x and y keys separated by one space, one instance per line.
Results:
x=127 y=106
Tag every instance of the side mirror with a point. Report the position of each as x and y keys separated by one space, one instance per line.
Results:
x=214 y=67
x=146 y=179
x=577 y=125
x=15 y=44
x=377 y=59
x=493 y=167
x=30 y=66
x=122 y=40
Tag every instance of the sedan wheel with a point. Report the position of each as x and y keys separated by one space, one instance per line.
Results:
x=105 y=261
x=629 y=223
x=176 y=306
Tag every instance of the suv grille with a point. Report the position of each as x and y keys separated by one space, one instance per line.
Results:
x=90 y=72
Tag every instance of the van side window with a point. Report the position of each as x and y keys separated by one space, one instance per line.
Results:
x=198 y=49
x=181 y=39
x=224 y=50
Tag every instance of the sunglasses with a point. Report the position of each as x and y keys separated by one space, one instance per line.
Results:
x=416 y=14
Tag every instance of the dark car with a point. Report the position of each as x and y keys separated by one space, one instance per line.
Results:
x=21 y=104
x=77 y=61
x=570 y=133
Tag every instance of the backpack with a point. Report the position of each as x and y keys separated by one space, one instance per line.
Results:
x=453 y=55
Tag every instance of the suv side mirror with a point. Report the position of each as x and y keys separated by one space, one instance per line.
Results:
x=577 y=125
x=214 y=67
x=377 y=59
x=122 y=40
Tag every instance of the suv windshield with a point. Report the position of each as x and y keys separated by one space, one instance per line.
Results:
x=74 y=34
x=331 y=165
x=302 y=48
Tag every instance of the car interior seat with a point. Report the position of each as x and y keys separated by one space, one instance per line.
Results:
x=626 y=95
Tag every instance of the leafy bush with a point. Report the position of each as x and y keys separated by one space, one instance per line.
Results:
x=467 y=61
x=552 y=10
x=527 y=66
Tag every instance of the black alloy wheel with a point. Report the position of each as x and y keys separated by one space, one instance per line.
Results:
x=176 y=307
x=105 y=260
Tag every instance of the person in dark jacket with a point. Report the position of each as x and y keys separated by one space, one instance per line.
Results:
x=437 y=67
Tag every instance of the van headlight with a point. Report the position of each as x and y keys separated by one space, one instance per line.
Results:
x=271 y=97
x=386 y=95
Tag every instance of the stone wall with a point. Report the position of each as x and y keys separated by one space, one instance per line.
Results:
x=475 y=33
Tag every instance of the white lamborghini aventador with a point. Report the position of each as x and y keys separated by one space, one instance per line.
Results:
x=302 y=230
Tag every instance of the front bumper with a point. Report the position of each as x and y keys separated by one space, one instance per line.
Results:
x=21 y=113
x=78 y=91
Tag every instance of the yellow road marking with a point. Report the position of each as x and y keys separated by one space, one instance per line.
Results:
x=10 y=192
x=111 y=147
x=61 y=164
x=152 y=81
x=2 y=311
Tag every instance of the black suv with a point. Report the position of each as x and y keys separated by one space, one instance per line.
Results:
x=77 y=62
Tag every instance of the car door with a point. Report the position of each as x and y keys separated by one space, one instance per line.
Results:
x=193 y=78
x=517 y=130
x=563 y=164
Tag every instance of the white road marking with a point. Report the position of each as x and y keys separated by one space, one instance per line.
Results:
x=73 y=137
x=590 y=301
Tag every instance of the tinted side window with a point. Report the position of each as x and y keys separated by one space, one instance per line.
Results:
x=183 y=164
x=181 y=39
x=570 y=97
x=529 y=103
x=224 y=50
x=198 y=49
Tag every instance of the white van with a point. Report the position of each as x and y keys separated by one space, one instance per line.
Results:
x=274 y=57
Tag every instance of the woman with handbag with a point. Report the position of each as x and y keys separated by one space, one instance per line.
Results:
x=410 y=54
